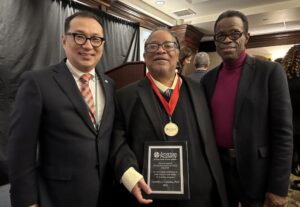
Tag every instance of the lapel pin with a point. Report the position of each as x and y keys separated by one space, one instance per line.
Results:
x=106 y=81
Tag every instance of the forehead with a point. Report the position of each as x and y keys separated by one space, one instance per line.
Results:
x=85 y=23
x=230 y=23
x=160 y=36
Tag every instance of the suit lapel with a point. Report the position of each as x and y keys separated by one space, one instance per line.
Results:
x=197 y=98
x=151 y=106
x=107 y=88
x=67 y=83
x=212 y=83
x=246 y=79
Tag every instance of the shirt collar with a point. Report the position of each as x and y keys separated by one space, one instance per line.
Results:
x=162 y=87
x=77 y=73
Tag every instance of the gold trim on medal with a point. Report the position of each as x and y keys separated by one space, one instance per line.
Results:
x=171 y=129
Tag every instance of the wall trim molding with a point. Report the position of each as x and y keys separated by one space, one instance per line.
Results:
x=266 y=40
x=124 y=11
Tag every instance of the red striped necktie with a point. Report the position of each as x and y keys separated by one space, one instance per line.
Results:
x=87 y=95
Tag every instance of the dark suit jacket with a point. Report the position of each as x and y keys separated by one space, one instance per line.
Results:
x=197 y=75
x=263 y=132
x=50 y=114
x=138 y=120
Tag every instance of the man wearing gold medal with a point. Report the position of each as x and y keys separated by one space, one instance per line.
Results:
x=144 y=114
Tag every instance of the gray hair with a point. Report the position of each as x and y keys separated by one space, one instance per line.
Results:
x=201 y=60
x=173 y=34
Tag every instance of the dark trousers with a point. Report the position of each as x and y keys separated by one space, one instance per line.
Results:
x=235 y=191
x=296 y=154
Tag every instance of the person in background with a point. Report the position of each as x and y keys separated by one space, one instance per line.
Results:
x=278 y=60
x=291 y=64
x=61 y=124
x=252 y=118
x=185 y=57
x=201 y=63
x=144 y=112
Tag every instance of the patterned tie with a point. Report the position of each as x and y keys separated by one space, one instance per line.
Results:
x=87 y=95
x=167 y=94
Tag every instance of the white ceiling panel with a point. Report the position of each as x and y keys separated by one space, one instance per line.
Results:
x=265 y=16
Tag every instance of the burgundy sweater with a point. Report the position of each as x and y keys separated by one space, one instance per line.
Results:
x=223 y=100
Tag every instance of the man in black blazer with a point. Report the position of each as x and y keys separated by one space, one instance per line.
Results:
x=58 y=145
x=142 y=116
x=252 y=117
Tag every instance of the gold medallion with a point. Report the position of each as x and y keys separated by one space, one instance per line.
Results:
x=171 y=129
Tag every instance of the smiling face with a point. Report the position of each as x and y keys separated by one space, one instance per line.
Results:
x=231 y=49
x=161 y=63
x=84 y=57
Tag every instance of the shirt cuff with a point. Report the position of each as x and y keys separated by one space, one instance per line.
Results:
x=130 y=178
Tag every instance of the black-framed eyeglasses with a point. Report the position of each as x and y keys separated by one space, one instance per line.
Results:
x=234 y=35
x=167 y=46
x=81 y=39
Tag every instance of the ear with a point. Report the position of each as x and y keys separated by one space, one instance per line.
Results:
x=247 y=35
x=63 y=40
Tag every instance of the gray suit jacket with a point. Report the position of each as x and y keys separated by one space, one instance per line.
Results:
x=263 y=131
x=50 y=115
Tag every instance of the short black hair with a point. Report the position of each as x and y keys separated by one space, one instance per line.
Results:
x=86 y=14
x=233 y=13
x=167 y=30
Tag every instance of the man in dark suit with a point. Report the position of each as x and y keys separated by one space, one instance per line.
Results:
x=148 y=112
x=201 y=63
x=252 y=117
x=58 y=141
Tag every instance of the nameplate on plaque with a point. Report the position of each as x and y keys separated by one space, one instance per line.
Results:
x=166 y=170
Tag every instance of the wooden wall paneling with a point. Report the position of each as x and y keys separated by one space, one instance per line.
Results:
x=127 y=73
x=282 y=38
x=266 y=40
x=120 y=9
x=189 y=36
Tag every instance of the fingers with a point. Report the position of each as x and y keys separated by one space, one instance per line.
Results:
x=137 y=190
x=273 y=200
x=143 y=185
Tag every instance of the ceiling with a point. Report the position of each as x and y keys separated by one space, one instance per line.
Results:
x=265 y=16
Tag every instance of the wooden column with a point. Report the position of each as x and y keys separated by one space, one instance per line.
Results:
x=190 y=37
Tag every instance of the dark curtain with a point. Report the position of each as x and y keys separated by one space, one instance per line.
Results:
x=30 y=38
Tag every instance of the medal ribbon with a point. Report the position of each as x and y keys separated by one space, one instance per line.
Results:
x=171 y=105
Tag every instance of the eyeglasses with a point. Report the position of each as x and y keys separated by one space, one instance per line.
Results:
x=167 y=46
x=221 y=37
x=81 y=39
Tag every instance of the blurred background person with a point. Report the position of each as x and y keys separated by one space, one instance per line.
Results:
x=291 y=64
x=201 y=63
x=278 y=60
x=185 y=57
